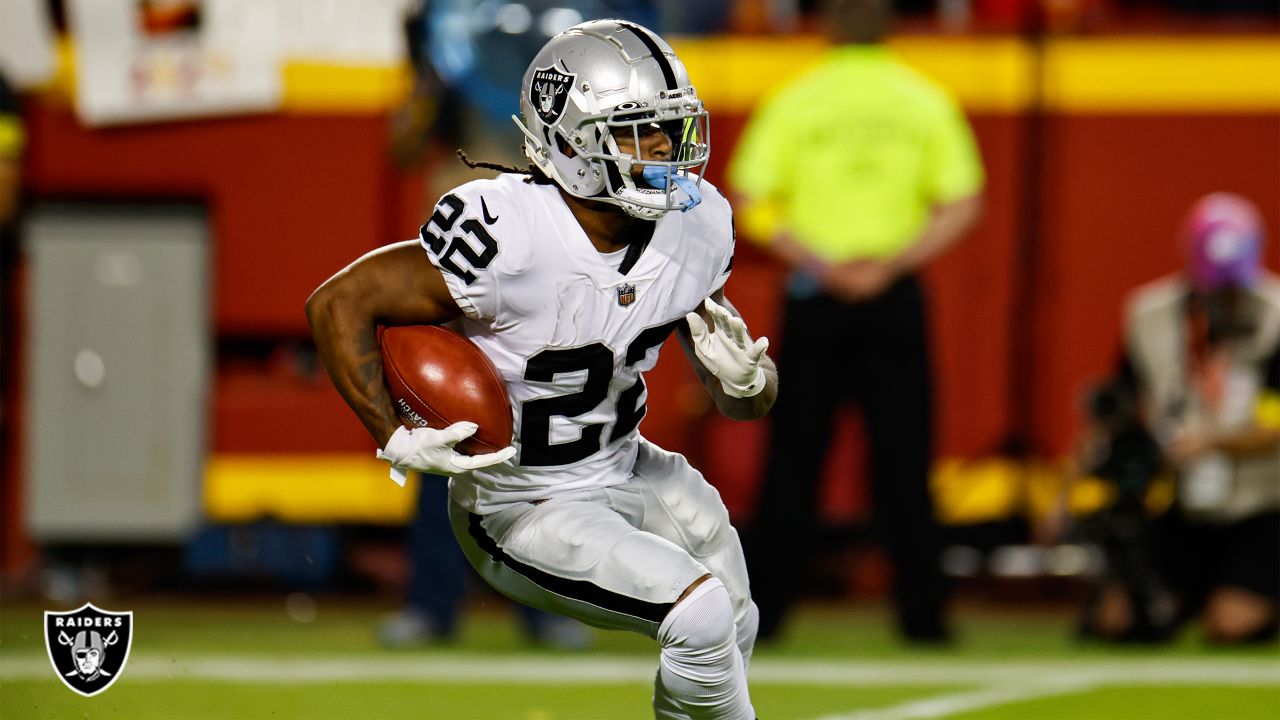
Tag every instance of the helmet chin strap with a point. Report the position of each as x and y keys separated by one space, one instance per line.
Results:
x=661 y=178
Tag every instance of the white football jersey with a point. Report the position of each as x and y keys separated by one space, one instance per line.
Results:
x=570 y=334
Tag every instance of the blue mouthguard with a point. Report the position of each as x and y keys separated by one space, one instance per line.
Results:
x=659 y=177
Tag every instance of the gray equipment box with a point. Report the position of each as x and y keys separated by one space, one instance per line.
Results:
x=119 y=336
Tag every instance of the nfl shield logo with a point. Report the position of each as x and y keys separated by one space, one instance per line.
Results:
x=626 y=294
x=88 y=647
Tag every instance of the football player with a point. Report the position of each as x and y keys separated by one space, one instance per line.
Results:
x=570 y=276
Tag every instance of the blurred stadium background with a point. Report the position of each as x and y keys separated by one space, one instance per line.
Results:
x=191 y=170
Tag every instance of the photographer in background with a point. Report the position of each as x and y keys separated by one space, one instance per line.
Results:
x=1202 y=364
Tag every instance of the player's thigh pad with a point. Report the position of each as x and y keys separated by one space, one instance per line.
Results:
x=577 y=556
x=681 y=506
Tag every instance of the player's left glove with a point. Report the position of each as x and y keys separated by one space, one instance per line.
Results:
x=728 y=351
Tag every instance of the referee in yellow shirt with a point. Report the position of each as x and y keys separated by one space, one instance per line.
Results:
x=856 y=175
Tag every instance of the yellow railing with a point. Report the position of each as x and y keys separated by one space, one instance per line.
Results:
x=355 y=488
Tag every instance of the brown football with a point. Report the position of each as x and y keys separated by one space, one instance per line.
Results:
x=436 y=377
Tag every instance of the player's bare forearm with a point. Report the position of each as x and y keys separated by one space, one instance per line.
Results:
x=747 y=408
x=348 y=346
x=395 y=285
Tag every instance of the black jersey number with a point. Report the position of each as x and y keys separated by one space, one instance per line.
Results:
x=444 y=218
x=536 y=448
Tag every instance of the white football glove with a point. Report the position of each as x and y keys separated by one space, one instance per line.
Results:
x=728 y=351
x=431 y=451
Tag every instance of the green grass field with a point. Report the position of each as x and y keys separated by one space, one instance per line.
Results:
x=233 y=658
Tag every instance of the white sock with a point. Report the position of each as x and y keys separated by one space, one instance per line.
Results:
x=701 y=667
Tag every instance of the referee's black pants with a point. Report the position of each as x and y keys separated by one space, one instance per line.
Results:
x=875 y=355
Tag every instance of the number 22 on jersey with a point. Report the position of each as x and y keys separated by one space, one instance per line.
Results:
x=597 y=359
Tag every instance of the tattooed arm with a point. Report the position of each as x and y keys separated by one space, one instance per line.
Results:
x=394 y=285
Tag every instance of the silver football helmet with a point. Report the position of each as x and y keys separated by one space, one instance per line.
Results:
x=592 y=83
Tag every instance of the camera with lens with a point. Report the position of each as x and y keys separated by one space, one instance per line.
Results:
x=1126 y=455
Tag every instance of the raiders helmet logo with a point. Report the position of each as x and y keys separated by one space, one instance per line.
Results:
x=549 y=91
x=88 y=647
x=626 y=294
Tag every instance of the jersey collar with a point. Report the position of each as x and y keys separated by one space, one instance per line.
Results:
x=651 y=257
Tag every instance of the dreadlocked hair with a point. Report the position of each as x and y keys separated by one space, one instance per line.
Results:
x=536 y=176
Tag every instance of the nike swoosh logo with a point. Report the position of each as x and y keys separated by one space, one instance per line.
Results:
x=484 y=208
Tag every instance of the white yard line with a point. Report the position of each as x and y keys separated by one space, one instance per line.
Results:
x=940 y=706
x=604 y=669
x=1036 y=681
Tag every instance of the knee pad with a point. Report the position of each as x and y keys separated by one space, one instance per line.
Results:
x=701 y=622
x=700 y=670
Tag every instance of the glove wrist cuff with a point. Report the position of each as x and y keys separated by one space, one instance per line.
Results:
x=395 y=452
x=397 y=446
x=747 y=389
